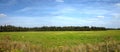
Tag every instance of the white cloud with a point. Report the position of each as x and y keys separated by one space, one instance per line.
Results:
x=54 y=21
x=100 y=16
x=65 y=9
x=117 y=4
x=25 y=9
x=34 y=9
x=65 y=18
x=94 y=11
x=68 y=21
x=2 y=15
x=59 y=0
x=116 y=15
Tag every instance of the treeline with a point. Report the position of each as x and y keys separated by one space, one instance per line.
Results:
x=10 y=28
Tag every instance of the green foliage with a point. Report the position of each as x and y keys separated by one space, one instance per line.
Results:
x=10 y=28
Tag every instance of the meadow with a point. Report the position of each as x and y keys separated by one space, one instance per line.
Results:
x=58 y=40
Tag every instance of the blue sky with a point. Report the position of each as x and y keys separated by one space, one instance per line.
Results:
x=35 y=13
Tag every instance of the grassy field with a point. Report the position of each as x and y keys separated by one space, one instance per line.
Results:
x=52 y=39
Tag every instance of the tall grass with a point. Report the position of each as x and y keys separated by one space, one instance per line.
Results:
x=7 y=45
x=109 y=45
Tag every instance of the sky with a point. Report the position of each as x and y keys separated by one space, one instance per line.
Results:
x=36 y=13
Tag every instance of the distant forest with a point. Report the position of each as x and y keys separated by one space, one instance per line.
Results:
x=10 y=28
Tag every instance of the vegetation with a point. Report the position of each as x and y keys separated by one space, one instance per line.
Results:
x=60 y=41
x=10 y=28
x=14 y=46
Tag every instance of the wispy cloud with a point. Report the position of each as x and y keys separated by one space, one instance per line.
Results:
x=65 y=9
x=116 y=15
x=34 y=9
x=59 y=0
x=70 y=21
x=28 y=9
x=24 y=9
x=100 y=16
x=117 y=4
x=2 y=15
x=94 y=11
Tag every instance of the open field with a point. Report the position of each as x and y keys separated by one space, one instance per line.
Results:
x=53 y=39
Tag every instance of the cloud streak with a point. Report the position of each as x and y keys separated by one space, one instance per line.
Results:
x=100 y=16
x=116 y=15
x=117 y=4
x=2 y=15
x=59 y=1
x=64 y=10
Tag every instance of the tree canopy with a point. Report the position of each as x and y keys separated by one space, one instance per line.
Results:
x=10 y=28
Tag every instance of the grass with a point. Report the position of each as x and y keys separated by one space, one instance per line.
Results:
x=69 y=40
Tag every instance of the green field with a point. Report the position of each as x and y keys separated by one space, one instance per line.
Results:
x=62 y=38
